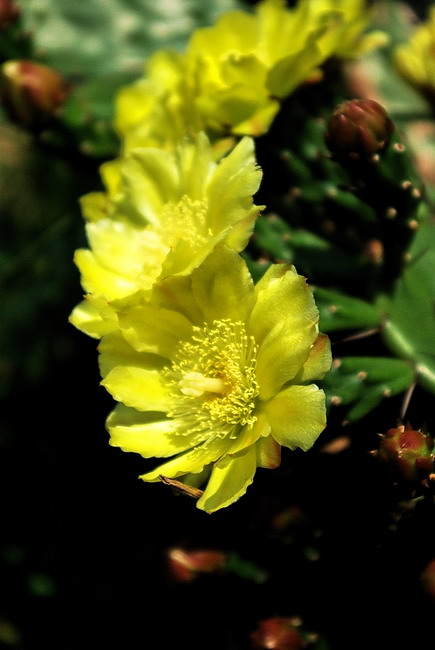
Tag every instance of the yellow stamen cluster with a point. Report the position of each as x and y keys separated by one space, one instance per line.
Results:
x=213 y=381
x=185 y=220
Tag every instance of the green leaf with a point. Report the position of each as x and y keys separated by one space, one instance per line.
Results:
x=309 y=252
x=410 y=323
x=41 y=225
x=363 y=382
x=340 y=312
x=97 y=37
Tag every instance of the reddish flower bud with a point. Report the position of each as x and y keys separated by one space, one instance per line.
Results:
x=408 y=452
x=360 y=127
x=9 y=12
x=278 y=633
x=185 y=566
x=428 y=579
x=31 y=92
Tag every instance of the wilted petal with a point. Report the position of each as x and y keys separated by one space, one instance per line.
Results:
x=268 y=453
x=318 y=363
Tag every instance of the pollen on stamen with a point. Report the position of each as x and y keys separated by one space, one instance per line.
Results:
x=186 y=220
x=213 y=381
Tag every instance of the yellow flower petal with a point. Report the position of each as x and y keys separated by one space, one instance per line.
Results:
x=116 y=351
x=282 y=354
x=229 y=480
x=288 y=73
x=249 y=435
x=223 y=286
x=94 y=318
x=192 y=461
x=268 y=453
x=175 y=293
x=230 y=192
x=415 y=59
x=150 y=329
x=140 y=388
x=318 y=363
x=148 y=181
x=281 y=294
x=297 y=416
x=99 y=281
x=95 y=206
x=144 y=433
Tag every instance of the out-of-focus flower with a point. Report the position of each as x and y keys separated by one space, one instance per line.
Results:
x=185 y=565
x=32 y=93
x=234 y=74
x=358 y=127
x=352 y=39
x=9 y=12
x=162 y=214
x=415 y=59
x=158 y=109
x=217 y=373
x=278 y=633
x=409 y=453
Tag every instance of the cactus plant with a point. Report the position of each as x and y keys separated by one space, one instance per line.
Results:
x=348 y=193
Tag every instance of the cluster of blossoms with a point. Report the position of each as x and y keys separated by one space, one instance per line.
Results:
x=211 y=372
x=233 y=75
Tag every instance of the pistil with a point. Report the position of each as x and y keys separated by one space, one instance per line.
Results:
x=196 y=384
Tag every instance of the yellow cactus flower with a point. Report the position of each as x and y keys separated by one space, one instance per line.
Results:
x=234 y=74
x=351 y=36
x=216 y=374
x=158 y=109
x=162 y=214
x=415 y=59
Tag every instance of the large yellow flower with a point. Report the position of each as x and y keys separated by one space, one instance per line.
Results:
x=415 y=59
x=234 y=74
x=217 y=374
x=161 y=215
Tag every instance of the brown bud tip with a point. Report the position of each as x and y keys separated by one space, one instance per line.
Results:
x=428 y=579
x=359 y=127
x=278 y=633
x=185 y=566
x=408 y=452
x=31 y=92
x=9 y=12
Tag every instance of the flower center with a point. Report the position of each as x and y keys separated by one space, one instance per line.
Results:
x=213 y=381
x=185 y=220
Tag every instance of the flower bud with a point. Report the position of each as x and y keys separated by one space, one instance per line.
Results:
x=185 y=566
x=31 y=92
x=9 y=12
x=278 y=633
x=427 y=579
x=408 y=452
x=359 y=127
